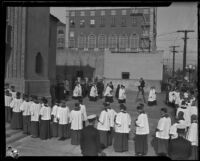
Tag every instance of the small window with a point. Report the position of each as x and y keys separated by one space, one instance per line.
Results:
x=60 y=32
x=73 y=13
x=82 y=23
x=123 y=21
x=124 y=12
x=113 y=21
x=72 y=23
x=38 y=63
x=125 y=75
x=134 y=20
x=113 y=12
x=82 y=13
x=92 y=13
x=71 y=34
x=102 y=21
x=92 y=23
x=102 y=13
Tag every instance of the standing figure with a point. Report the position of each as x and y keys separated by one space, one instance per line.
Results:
x=141 y=89
x=66 y=87
x=162 y=133
x=104 y=126
x=83 y=111
x=117 y=91
x=13 y=92
x=100 y=88
x=62 y=116
x=35 y=111
x=77 y=93
x=45 y=117
x=192 y=136
x=16 y=122
x=54 y=125
x=90 y=139
x=152 y=97
x=76 y=121
x=93 y=93
x=108 y=94
x=26 y=115
x=8 y=110
x=122 y=95
x=122 y=129
x=142 y=131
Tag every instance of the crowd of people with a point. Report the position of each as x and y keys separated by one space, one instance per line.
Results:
x=177 y=138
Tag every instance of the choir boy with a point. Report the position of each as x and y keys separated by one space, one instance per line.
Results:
x=8 y=110
x=83 y=110
x=54 y=124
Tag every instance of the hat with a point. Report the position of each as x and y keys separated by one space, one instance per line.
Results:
x=91 y=117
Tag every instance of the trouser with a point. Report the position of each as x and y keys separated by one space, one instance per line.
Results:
x=141 y=91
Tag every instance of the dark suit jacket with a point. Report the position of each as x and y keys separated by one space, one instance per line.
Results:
x=180 y=149
x=90 y=141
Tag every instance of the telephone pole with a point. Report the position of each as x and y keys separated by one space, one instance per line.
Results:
x=174 y=52
x=185 y=48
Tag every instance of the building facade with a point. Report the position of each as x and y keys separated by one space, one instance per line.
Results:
x=28 y=64
x=120 y=29
x=61 y=35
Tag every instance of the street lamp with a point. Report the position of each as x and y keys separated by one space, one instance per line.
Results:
x=190 y=68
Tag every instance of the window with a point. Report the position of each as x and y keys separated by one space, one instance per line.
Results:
x=72 y=13
x=92 y=13
x=102 y=41
x=134 y=20
x=144 y=43
x=112 y=41
x=91 y=41
x=82 y=13
x=38 y=63
x=92 y=23
x=123 y=41
x=113 y=21
x=102 y=21
x=113 y=12
x=81 y=41
x=82 y=23
x=123 y=21
x=71 y=42
x=71 y=34
x=60 y=32
x=134 y=41
x=125 y=75
x=123 y=12
x=102 y=13
x=72 y=23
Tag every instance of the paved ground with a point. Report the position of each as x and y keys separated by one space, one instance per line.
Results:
x=35 y=147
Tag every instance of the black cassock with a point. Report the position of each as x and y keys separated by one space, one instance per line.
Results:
x=90 y=141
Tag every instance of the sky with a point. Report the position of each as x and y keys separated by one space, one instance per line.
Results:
x=178 y=16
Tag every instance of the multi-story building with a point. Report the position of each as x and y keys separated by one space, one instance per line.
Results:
x=123 y=29
x=60 y=35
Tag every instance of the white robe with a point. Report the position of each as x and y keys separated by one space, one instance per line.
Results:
x=152 y=95
x=142 y=123
x=173 y=129
x=192 y=134
x=35 y=111
x=25 y=108
x=63 y=114
x=164 y=125
x=93 y=92
x=76 y=120
x=83 y=111
x=15 y=104
x=177 y=98
x=186 y=115
x=108 y=91
x=104 y=121
x=8 y=100
x=45 y=112
x=54 y=113
x=112 y=114
x=77 y=91
x=123 y=122
x=171 y=96
x=122 y=94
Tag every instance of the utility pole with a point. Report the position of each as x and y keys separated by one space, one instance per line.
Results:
x=174 y=52
x=185 y=48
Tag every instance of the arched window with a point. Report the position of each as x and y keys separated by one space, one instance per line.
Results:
x=81 y=41
x=112 y=41
x=91 y=41
x=134 y=41
x=38 y=63
x=123 y=42
x=102 y=41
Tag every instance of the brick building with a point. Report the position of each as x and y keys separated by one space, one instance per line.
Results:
x=31 y=36
x=123 y=29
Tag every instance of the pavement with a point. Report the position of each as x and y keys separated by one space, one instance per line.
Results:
x=28 y=146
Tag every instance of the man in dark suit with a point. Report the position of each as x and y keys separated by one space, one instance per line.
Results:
x=180 y=148
x=141 y=89
x=90 y=139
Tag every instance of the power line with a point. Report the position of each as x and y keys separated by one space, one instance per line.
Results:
x=174 y=52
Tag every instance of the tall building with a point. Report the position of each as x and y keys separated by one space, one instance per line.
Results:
x=30 y=35
x=118 y=29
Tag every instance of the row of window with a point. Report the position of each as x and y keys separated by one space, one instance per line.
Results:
x=112 y=12
x=102 y=22
x=113 y=42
